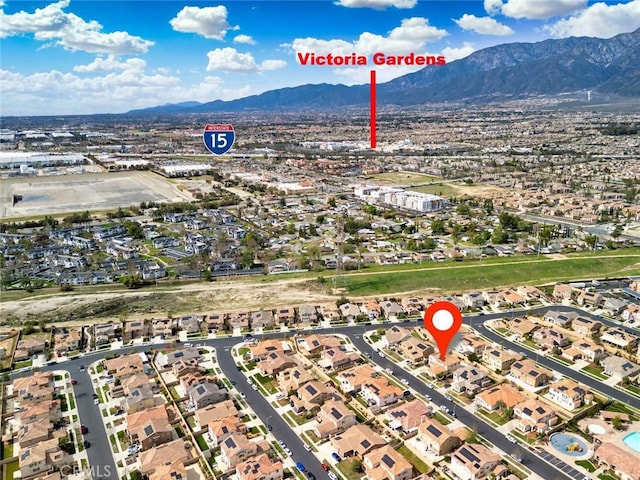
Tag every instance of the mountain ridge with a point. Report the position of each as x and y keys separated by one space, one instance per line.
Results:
x=511 y=70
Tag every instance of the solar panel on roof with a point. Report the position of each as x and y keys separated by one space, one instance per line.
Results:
x=230 y=443
x=365 y=443
x=388 y=461
x=311 y=389
x=148 y=430
x=434 y=431
x=399 y=413
x=336 y=414
x=466 y=453
x=540 y=410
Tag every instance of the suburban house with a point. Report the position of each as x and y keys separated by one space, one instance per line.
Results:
x=408 y=416
x=260 y=467
x=395 y=335
x=219 y=430
x=473 y=462
x=235 y=449
x=351 y=380
x=498 y=359
x=334 y=417
x=157 y=458
x=470 y=380
x=549 y=338
x=357 y=440
x=528 y=373
x=291 y=379
x=494 y=397
x=205 y=394
x=534 y=416
x=567 y=393
x=385 y=463
x=379 y=392
x=415 y=350
x=149 y=427
x=437 y=438
x=620 y=367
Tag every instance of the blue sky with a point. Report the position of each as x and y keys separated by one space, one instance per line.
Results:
x=97 y=56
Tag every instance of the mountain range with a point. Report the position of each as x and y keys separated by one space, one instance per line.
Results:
x=513 y=70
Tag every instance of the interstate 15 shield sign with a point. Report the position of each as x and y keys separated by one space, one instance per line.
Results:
x=218 y=137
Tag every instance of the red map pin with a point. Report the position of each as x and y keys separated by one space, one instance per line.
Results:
x=442 y=320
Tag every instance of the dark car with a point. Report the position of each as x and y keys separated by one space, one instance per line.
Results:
x=86 y=444
x=311 y=476
x=84 y=429
x=325 y=467
x=95 y=395
x=335 y=456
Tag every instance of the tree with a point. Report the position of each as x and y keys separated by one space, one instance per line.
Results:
x=437 y=227
x=499 y=235
x=616 y=423
x=136 y=475
x=332 y=202
x=617 y=231
x=246 y=258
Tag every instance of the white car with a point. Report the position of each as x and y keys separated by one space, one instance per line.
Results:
x=405 y=381
x=428 y=397
x=511 y=439
x=389 y=371
x=96 y=401
x=306 y=447
x=287 y=451
x=254 y=386
x=332 y=476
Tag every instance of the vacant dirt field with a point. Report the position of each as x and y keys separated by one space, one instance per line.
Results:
x=77 y=193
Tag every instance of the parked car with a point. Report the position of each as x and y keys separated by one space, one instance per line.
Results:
x=74 y=382
x=86 y=444
x=335 y=456
x=310 y=475
x=333 y=476
x=324 y=466
x=300 y=466
x=84 y=429
x=306 y=447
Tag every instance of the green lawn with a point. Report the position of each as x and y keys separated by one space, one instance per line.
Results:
x=11 y=468
x=586 y=464
x=596 y=372
x=490 y=274
x=633 y=389
x=348 y=468
x=414 y=460
x=202 y=443
x=441 y=418
x=494 y=416
x=7 y=450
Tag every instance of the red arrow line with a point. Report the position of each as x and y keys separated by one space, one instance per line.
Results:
x=373 y=108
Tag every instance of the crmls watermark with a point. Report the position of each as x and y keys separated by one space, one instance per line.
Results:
x=94 y=471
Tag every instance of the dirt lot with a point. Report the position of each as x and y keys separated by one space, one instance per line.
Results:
x=76 y=193
x=225 y=296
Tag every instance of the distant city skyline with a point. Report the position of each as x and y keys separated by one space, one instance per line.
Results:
x=85 y=57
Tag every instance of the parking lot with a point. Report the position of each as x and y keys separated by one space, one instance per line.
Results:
x=563 y=467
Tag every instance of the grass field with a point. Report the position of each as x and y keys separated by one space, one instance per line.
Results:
x=440 y=189
x=481 y=275
x=402 y=178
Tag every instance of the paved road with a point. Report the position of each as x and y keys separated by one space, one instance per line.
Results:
x=612 y=392
x=103 y=466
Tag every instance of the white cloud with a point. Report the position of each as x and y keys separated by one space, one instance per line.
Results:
x=210 y=22
x=483 y=25
x=230 y=60
x=58 y=93
x=411 y=36
x=384 y=73
x=51 y=23
x=452 y=53
x=377 y=4
x=246 y=39
x=600 y=20
x=541 y=9
x=110 y=63
x=493 y=7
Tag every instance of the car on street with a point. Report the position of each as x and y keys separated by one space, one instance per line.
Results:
x=288 y=451
x=96 y=401
x=511 y=439
x=300 y=466
x=324 y=466
x=306 y=447
x=310 y=475
x=83 y=429
x=282 y=444
x=333 y=476
x=405 y=381
x=428 y=397
x=81 y=368
x=86 y=444
x=243 y=395
x=255 y=387
x=74 y=382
